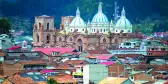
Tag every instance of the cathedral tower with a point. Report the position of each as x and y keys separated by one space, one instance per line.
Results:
x=43 y=30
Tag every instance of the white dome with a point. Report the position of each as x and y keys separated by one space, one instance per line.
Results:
x=100 y=17
x=123 y=22
x=78 y=21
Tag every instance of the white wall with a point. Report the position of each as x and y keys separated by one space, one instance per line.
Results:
x=86 y=74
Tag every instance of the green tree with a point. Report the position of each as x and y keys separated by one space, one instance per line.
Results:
x=52 y=81
x=146 y=26
x=5 y=26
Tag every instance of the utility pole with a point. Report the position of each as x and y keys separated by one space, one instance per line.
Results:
x=116 y=16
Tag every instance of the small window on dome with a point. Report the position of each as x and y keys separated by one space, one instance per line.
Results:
x=116 y=31
x=104 y=30
x=71 y=39
x=83 y=29
x=60 y=39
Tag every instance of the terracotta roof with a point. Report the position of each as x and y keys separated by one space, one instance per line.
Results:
x=49 y=51
x=76 y=62
x=20 y=80
x=98 y=51
x=33 y=62
x=2 y=53
x=127 y=55
x=91 y=57
x=63 y=66
x=64 y=79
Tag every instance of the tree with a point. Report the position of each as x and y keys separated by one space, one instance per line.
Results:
x=5 y=26
x=52 y=81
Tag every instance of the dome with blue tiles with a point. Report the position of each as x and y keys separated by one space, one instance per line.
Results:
x=100 y=17
x=78 y=21
x=123 y=22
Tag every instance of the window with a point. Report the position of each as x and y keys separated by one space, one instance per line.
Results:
x=71 y=39
x=60 y=39
x=94 y=30
x=39 y=25
x=3 y=40
x=71 y=30
x=104 y=40
x=104 y=30
x=163 y=49
x=48 y=26
x=76 y=29
x=48 y=38
x=128 y=30
x=37 y=38
x=100 y=30
x=116 y=31
x=83 y=30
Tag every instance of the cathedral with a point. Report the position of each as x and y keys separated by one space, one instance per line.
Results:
x=75 y=33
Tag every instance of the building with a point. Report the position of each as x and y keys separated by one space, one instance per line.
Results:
x=94 y=73
x=5 y=42
x=76 y=33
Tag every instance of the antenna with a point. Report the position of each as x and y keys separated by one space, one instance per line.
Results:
x=116 y=16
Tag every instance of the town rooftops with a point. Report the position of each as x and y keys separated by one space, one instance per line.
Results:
x=49 y=51
x=98 y=51
x=64 y=79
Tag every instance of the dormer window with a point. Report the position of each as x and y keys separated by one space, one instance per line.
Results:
x=60 y=39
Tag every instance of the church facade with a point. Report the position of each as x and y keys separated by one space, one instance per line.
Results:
x=75 y=33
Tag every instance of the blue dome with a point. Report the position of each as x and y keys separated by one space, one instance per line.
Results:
x=100 y=18
x=78 y=21
x=123 y=23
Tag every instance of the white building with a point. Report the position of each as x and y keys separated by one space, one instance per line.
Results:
x=5 y=42
x=100 y=23
x=94 y=73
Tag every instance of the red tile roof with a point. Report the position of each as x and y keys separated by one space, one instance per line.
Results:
x=49 y=51
x=98 y=51
x=33 y=62
x=76 y=62
x=64 y=79
x=21 y=80
x=127 y=55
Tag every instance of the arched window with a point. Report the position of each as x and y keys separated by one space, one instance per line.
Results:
x=37 y=38
x=39 y=25
x=104 y=40
x=60 y=39
x=48 y=26
x=71 y=39
x=104 y=30
x=48 y=38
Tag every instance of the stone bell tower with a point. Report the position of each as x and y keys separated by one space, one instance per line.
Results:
x=43 y=31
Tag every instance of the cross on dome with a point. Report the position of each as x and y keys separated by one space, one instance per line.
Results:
x=100 y=7
x=77 y=12
x=123 y=12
